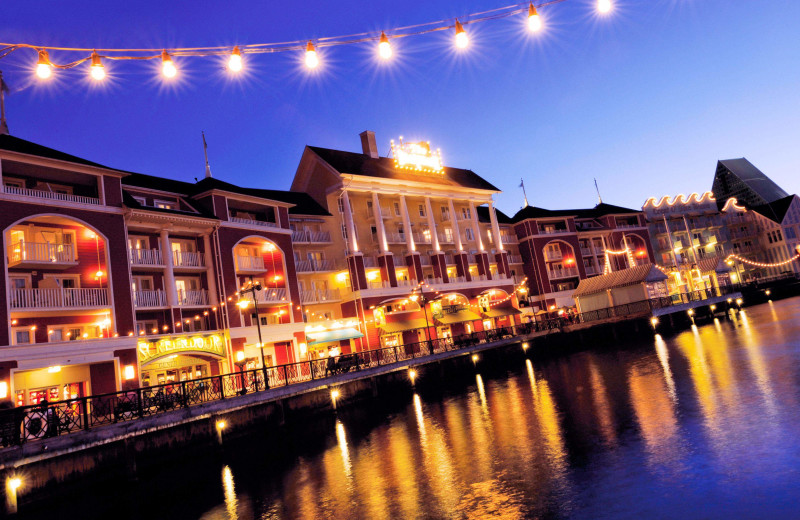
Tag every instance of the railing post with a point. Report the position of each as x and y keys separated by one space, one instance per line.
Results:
x=221 y=388
x=185 y=396
x=395 y=355
x=285 y=377
x=139 y=406
x=266 y=378
x=85 y=413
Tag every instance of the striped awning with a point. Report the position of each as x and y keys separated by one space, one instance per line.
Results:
x=458 y=317
x=400 y=326
x=496 y=312
x=327 y=336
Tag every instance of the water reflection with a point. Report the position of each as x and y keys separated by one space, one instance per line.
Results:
x=231 y=503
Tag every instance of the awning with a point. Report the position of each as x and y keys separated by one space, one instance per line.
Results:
x=332 y=335
x=496 y=312
x=458 y=317
x=400 y=326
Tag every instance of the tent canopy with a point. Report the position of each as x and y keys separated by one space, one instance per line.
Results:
x=400 y=326
x=504 y=310
x=333 y=335
x=631 y=276
x=458 y=317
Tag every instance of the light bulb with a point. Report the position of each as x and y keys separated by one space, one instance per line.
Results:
x=167 y=66
x=235 y=62
x=462 y=40
x=44 y=69
x=97 y=70
x=604 y=6
x=384 y=47
x=312 y=60
x=534 y=20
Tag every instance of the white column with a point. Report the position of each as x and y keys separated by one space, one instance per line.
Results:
x=432 y=225
x=211 y=279
x=169 y=272
x=454 y=220
x=498 y=241
x=407 y=224
x=376 y=210
x=476 y=231
x=348 y=220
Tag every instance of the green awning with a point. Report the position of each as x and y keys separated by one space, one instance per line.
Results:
x=458 y=317
x=496 y=312
x=333 y=335
x=400 y=326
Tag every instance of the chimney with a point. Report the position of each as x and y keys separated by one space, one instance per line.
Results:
x=368 y=144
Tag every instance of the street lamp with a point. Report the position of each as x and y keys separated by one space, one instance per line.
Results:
x=422 y=300
x=252 y=290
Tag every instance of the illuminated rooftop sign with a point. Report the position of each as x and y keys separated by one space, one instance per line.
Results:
x=416 y=156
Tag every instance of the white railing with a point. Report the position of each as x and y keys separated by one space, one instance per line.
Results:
x=420 y=238
x=370 y=261
x=396 y=238
x=562 y=273
x=153 y=298
x=191 y=298
x=252 y=222
x=385 y=213
x=145 y=256
x=449 y=260
x=457 y=279
x=590 y=269
x=510 y=238
x=587 y=251
x=249 y=263
x=267 y=295
x=307 y=236
x=514 y=259
x=315 y=266
x=187 y=259
x=406 y=283
x=552 y=255
x=66 y=197
x=424 y=260
x=627 y=226
x=543 y=231
x=444 y=239
x=58 y=298
x=376 y=284
x=320 y=295
x=40 y=252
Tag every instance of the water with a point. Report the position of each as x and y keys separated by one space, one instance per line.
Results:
x=703 y=424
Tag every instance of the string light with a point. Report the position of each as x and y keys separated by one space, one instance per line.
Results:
x=44 y=69
x=384 y=47
x=312 y=60
x=167 y=66
x=743 y=260
x=462 y=40
x=97 y=70
x=534 y=20
x=604 y=6
x=235 y=61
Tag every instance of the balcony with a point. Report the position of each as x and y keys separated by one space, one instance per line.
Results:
x=58 y=298
x=311 y=237
x=567 y=272
x=252 y=264
x=267 y=295
x=396 y=238
x=590 y=270
x=421 y=238
x=742 y=233
x=252 y=222
x=41 y=194
x=193 y=298
x=385 y=213
x=509 y=238
x=552 y=256
x=188 y=259
x=319 y=266
x=41 y=255
x=424 y=260
x=514 y=259
x=146 y=258
x=320 y=296
x=445 y=239
x=149 y=299
x=627 y=226
x=553 y=231
x=587 y=251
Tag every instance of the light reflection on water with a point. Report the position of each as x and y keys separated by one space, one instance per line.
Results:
x=696 y=425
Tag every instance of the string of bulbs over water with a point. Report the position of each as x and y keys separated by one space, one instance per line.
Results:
x=45 y=65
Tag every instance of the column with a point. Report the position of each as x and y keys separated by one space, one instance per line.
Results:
x=498 y=241
x=211 y=278
x=438 y=260
x=454 y=220
x=169 y=272
x=475 y=229
x=482 y=258
x=376 y=209
x=352 y=241
x=407 y=225
x=432 y=225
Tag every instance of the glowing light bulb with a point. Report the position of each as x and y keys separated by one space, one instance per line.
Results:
x=462 y=40
x=534 y=20
x=44 y=69
x=235 y=61
x=312 y=60
x=167 y=66
x=384 y=47
x=97 y=70
x=604 y=6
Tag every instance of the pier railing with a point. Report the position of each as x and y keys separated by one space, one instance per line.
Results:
x=45 y=420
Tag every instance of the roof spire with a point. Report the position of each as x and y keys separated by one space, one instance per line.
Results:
x=3 y=89
x=205 y=151
x=599 y=198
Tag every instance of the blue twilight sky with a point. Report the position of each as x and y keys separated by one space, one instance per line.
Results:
x=645 y=99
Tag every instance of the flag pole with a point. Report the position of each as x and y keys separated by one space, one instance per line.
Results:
x=522 y=185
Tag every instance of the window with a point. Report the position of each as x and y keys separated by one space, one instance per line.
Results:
x=397 y=209
x=445 y=213
x=140 y=200
x=489 y=235
x=55 y=335
x=14 y=183
x=369 y=208
x=74 y=333
x=468 y=234
x=448 y=234
x=22 y=337
x=465 y=213
x=340 y=202
x=165 y=204
x=421 y=210
x=344 y=231
x=142 y=328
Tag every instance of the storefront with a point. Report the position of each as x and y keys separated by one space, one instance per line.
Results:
x=169 y=359
x=501 y=315
x=54 y=383
x=402 y=332
x=333 y=341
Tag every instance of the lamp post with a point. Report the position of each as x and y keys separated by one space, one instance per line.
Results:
x=252 y=290
x=422 y=300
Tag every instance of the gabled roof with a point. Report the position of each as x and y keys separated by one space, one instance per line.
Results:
x=483 y=215
x=600 y=210
x=741 y=179
x=15 y=144
x=383 y=167
x=775 y=211
x=623 y=277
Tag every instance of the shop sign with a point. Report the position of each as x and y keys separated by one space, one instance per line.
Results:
x=153 y=349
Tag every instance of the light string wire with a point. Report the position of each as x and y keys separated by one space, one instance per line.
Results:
x=264 y=48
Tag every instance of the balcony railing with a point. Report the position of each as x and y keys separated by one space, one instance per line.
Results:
x=445 y=239
x=252 y=222
x=509 y=238
x=40 y=252
x=316 y=266
x=550 y=256
x=267 y=295
x=566 y=272
x=41 y=194
x=424 y=260
x=543 y=231
x=396 y=238
x=514 y=259
x=310 y=237
x=58 y=298
x=193 y=298
x=187 y=259
x=145 y=257
x=320 y=295
x=421 y=238
x=249 y=263
x=153 y=298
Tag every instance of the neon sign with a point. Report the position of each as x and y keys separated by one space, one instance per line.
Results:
x=152 y=350
x=416 y=156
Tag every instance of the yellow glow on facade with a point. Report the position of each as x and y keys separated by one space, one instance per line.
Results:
x=129 y=372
